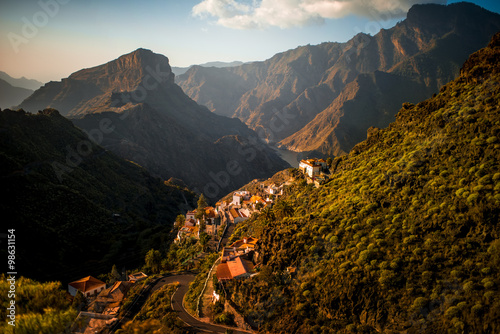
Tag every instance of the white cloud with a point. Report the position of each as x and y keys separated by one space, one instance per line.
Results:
x=241 y=14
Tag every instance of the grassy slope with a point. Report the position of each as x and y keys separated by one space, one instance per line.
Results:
x=405 y=236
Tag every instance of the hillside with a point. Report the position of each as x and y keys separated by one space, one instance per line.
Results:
x=11 y=95
x=77 y=208
x=405 y=235
x=153 y=123
x=315 y=97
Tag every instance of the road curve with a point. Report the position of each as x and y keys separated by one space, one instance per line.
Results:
x=199 y=326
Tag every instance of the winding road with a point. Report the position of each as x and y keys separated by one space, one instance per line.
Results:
x=184 y=279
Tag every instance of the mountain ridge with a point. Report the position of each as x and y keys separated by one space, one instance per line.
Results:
x=417 y=49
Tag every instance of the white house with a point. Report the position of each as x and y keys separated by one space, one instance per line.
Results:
x=310 y=167
x=239 y=197
x=88 y=286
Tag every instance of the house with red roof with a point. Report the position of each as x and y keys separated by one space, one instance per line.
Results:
x=236 y=268
x=88 y=286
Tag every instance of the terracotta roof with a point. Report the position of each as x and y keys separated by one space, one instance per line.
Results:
x=234 y=213
x=223 y=272
x=239 y=267
x=88 y=283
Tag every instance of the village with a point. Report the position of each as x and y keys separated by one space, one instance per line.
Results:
x=237 y=260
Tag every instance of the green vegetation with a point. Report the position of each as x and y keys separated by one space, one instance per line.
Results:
x=66 y=193
x=404 y=236
x=196 y=286
x=40 y=307
x=157 y=315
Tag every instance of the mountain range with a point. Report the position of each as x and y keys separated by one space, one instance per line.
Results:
x=323 y=98
x=22 y=82
x=153 y=123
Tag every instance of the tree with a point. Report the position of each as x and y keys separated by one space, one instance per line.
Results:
x=115 y=274
x=153 y=261
x=204 y=239
x=268 y=214
x=202 y=203
x=283 y=209
x=179 y=221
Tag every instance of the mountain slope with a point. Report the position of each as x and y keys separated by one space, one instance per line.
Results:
x=404 y=236
x=77 y=208
x=10 y=95
x=156 y=125
x=280 y=96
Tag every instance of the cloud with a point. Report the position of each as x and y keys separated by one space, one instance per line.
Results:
x=254 y=14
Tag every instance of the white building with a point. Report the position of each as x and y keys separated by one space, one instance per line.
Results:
x=88 y=286
x=310 y=167
x=239 y=197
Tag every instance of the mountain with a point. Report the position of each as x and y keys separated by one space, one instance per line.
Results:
x=10 y=95
x=76 y=207
x=181 y=70
x=404 y=236
x=324 y=97
x=153 y=123
x=21 y=82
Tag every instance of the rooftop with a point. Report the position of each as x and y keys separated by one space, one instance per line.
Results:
x=88 y=283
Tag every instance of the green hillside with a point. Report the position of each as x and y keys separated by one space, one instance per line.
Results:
x=77 y=208
x=404 y=237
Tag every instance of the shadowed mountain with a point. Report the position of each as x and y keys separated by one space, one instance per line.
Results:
x=77 y=208
x=11 y=95
x=334 y=85
x=149 y=120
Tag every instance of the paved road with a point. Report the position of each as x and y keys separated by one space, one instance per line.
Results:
x=199 y=326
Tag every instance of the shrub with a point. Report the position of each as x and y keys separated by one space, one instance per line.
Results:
x=452 y=312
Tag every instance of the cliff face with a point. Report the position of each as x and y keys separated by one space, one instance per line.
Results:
x=280 y=96
x=153 y=123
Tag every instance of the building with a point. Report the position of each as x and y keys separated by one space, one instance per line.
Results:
x=237 y=268
x=191 y=215
x=88 y=286
x=137 y=276
x=238 y=248
x=273 y=189
x=312 y=167
x=238 y=215
x=239 y=197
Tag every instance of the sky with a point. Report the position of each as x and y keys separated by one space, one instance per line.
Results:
x=47 y=40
